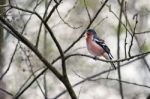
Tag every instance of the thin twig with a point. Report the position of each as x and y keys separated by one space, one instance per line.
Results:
x=132 y=37
x=112 y=79
x=126 y=82
x=28 y=79
x=125 y=41
x=38 y=36
x=31 y=46
x=12 y=57
x=66 y=15
x=69 y=25
x=40 y=28
x=110 y=10
x=44 y=49
x=99 y=22
x=93 y=19
x=52 y=11
x=144 y=32
x=45 y=86
x=94 y=76
x=15 y=50
x=89 y=16
x=103 y=60
x=21 y=90
x=64 y=79
x=30 y=64
x=118 y=49
x=5 y=91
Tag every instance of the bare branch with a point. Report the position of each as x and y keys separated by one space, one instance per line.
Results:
x=89 y=16
x=126 y=82
x=66 y=22
x=14 y=51
x=118 y=60
x=99 y=22
x=125 y=41
x=40 y=28
x=118 y=49
x=144 y=32
x=5 y=91
x=93 y=76
x=66 y=15
x=136 y=21
x=53 y=9
x=30 y=45
x=100 y=9
x=30 y=65
x=12 y=57
x=112 y=79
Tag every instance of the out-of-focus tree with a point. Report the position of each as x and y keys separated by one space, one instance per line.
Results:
x=47 y=54
x=2 y=84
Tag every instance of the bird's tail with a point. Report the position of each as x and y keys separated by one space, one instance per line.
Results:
x=113 y=65
x=109 y=57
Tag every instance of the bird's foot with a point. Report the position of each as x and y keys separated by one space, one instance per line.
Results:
x=95 y=57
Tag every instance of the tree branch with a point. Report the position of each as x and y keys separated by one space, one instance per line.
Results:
x=100 y=9
x=30 y=45
x=118 y=49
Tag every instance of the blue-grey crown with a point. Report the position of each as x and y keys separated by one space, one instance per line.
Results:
x=91 y=30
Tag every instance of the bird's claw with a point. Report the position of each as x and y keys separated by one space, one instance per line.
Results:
x=95 y=58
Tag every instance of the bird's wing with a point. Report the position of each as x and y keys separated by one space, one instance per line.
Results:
x=101 y=43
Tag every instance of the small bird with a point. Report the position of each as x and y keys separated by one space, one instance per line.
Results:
x=97 y=46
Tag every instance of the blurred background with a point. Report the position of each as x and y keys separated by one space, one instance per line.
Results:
x=68 y=22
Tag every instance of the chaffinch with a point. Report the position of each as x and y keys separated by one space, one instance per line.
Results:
x=97 y=46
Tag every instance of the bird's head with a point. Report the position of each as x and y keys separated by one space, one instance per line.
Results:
x=90 y=32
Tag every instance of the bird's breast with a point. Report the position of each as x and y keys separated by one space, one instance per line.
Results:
x=94 y=48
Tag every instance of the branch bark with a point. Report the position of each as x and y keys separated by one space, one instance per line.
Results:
x=118 y=48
